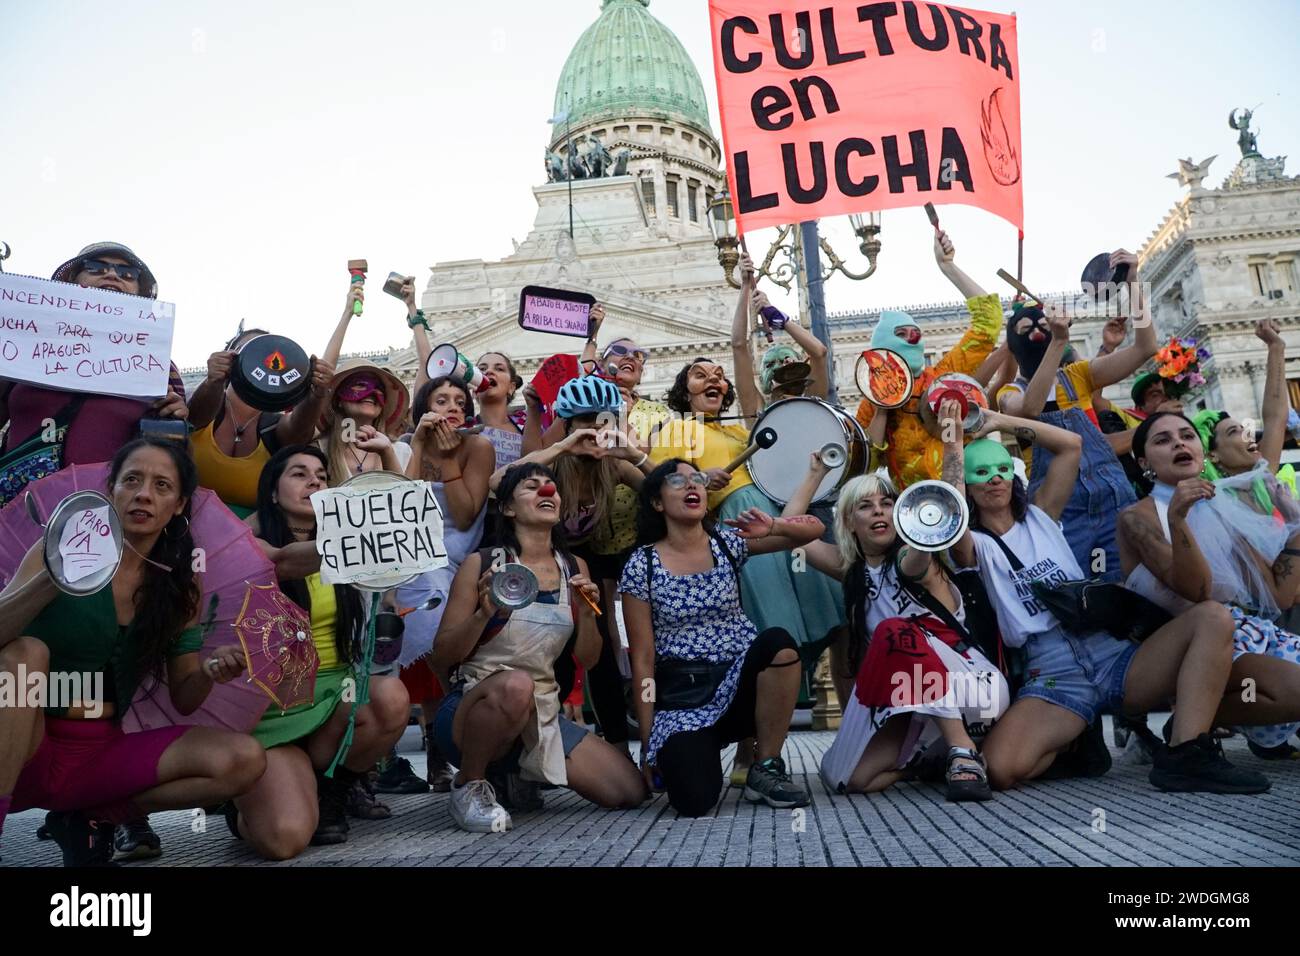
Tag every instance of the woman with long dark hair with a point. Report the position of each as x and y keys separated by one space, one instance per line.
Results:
x=457 y=467
x=294 y=803
x=1234 y=540
x=73 y=757
x=714 y=678
x=1016 y=539
x=504 y=707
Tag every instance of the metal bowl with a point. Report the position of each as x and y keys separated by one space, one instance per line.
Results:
x=105 y=538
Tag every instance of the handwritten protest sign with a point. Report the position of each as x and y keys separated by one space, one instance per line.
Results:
x=369 y=536
x=86 y=544
x=59 y=335
x=555 y=310
x=843 y=107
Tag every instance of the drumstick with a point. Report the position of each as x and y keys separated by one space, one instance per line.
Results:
x=934 y=216
x=763 y=438
x=1019 y=286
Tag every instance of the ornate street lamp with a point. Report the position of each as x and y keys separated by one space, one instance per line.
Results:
x=722 y=222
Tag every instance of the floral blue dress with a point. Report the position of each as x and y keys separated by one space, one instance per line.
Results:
x=695 y=617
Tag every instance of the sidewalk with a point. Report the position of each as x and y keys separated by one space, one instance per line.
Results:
x=1117 y=820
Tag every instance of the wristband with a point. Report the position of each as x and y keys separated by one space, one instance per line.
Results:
x=644 y=458
x=418 y=319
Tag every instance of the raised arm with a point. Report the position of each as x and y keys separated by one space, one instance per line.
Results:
x=419 y=327
x=545 y=456
x=1030 y=403
x=211 y=392
x=1066 y=448
x=299 y=426
x=765 y=534
x=750 y=398
x=356 y=293
x=1123 y=362
x=945 y=254
x=588 y=363
x=822 y=555
x=1276 y=404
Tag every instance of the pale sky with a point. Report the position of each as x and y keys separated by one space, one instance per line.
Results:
x=247 y=150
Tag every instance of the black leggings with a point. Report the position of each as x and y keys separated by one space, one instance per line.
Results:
x=689 y=762
x=604 y=679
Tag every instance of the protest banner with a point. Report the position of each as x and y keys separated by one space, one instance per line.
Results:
x=558 y=311
x=847 y=107
x=63 y=336
x=378 y=531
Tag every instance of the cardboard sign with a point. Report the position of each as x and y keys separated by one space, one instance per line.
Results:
x=555 y=310
x=59 y=335
x=86 y=544
x=843 y=107
x=364 y=535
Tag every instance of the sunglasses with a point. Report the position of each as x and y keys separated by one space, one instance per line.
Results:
x=679 y=481
x=622 y=350
x=98 y=267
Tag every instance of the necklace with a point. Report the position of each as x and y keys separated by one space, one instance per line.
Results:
x=239 y=429
x=360 y=459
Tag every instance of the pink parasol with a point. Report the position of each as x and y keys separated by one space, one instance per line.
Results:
x=278 y=650
x=233 y=564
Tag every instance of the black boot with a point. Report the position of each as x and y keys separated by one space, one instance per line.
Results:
x=136 y=840
x=332 y=794
x=84 y=842
x=1198 y=766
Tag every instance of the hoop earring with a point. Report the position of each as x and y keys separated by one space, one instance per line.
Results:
x=167 y=527
x=1148 y=474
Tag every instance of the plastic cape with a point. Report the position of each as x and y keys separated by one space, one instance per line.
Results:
x=1250 y=519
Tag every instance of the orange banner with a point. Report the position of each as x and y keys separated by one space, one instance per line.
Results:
x=840 y=107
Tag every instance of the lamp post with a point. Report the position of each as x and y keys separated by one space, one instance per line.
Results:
x=798 y=258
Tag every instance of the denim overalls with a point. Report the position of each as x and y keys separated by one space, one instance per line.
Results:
x=1102 y=490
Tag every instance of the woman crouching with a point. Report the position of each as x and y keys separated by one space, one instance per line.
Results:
x=713 y=679
x=504 y=706
x=295 y=803
x=75 y=760
x=921 y=676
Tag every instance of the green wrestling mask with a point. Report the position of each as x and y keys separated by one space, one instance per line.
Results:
x=987 y=459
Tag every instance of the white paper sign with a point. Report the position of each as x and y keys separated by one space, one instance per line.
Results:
x=59 y=335
x=366 y=535
x=86 y=544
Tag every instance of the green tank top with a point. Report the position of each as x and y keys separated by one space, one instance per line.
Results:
x=83 y=637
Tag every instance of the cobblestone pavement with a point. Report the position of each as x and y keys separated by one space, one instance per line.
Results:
x=1117 y=820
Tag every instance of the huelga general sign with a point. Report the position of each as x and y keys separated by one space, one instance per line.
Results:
x=838 y=107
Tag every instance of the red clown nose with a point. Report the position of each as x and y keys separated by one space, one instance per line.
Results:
x=546 y=491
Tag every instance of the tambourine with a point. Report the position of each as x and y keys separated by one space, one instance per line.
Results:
x=87 y=561
x=931 y=516
x=271 y=373
x=883 y=376
x=513 y=587
x=965 y=390
x=380 y=481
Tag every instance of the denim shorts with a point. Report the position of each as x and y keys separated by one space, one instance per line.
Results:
x=570 y=734
x=1083 y=674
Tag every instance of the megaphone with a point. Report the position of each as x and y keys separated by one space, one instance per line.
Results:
x=513 y=587
x=446 y=362
x=931 y=516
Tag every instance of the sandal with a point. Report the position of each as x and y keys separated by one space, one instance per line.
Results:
x=972 y=765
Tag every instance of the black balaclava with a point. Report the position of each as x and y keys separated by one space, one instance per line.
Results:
x=1029 y=353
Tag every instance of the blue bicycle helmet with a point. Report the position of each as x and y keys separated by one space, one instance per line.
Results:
x=587 y=395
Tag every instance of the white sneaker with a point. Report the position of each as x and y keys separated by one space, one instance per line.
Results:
x=474 y=807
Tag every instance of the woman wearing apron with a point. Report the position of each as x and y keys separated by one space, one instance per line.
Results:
x=504 y=707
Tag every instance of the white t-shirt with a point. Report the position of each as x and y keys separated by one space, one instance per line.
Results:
x=1040 y=544
x=886 y=597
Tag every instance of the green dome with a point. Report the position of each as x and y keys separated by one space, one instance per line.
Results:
x=628 y=64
